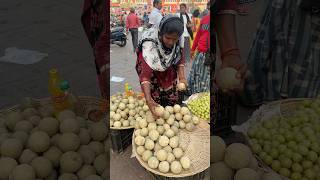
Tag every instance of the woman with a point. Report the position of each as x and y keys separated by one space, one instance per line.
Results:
x=199 y=77
x=94 y=19
x=195 y=23
x=284 y=57
x=160 y=63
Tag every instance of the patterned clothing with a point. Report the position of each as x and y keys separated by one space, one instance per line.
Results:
x=163 y=84
x=199 y=77
x=284 y=57
x=157 y=64
x=94 y=20
x=153 y=51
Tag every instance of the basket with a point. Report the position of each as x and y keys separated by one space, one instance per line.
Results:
x=89 y=105
x=199 y=176
x=282 y=108
x=223 y=115
x=193 y=97
x=122 y=128
x=120 y=139
x=197 y=145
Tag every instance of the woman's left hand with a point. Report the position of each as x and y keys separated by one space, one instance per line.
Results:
x=235 y=62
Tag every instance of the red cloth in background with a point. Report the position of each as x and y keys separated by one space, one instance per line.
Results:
x=95 y=18
x=202 y=40
x=132 y=21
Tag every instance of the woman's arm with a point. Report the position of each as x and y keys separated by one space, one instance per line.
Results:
x=181 y=70
x=145 y=87
x=145 y=73
x=227 y=39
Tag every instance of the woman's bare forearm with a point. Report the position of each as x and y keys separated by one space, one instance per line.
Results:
x=181 y=74
x=226 y=32
x=145 y=86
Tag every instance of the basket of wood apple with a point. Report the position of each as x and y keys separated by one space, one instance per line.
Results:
x=175 y=145
x=35 y=144
x=235 y=162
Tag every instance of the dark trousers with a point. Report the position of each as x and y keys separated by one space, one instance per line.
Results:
x=134 y=35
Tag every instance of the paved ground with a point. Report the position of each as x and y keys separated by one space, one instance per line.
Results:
x=122 y=64
x=51 y=27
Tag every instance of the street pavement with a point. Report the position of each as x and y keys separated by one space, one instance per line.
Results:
x=51 y=27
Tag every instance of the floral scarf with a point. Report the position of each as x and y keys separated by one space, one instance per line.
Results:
x=158 y=57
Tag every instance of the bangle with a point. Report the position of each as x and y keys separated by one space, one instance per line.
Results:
x=233 y=51
x=145 y=82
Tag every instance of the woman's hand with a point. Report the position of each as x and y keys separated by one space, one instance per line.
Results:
x=152 y=105
x=235 y=62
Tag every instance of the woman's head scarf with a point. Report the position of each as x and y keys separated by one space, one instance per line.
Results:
x=156 y=55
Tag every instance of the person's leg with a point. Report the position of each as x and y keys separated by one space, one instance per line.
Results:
x=132 y=36
x=135 y=39
x=187 y=49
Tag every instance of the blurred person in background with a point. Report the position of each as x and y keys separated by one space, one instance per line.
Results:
x=187 y=33
x=199 y=77
x=195 y=22
x=284 y=56
x=145 y=18
x=155 y=16
x=132 y=24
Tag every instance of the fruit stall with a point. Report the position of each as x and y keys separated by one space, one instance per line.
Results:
x=175 y=145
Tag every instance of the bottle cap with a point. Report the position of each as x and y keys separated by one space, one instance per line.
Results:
x=64 y=85
x=53 y=72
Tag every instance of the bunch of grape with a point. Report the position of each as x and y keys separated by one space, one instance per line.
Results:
x=201 y=106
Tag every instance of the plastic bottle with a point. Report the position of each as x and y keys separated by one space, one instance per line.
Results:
x=59 y=100
x=128 y=90
x=74 y=100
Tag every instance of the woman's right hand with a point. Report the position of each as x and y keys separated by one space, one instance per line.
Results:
x=152 y=106
x=236 y=63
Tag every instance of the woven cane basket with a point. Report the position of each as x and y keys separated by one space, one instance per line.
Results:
x=197 y=145
x=282 y=109
x=89 y=104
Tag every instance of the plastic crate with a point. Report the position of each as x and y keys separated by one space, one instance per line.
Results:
x=120 y=139
x=224 y=115
x=200 y=176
